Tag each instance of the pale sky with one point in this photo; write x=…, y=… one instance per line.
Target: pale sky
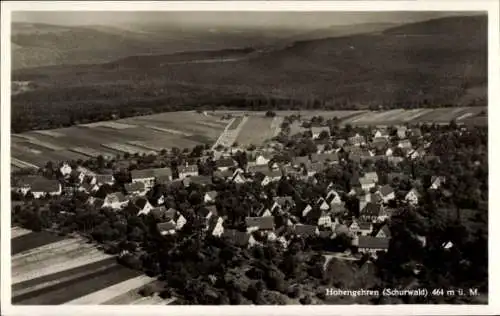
x=237, y=19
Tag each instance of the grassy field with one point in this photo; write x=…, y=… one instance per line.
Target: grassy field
x=48, y=270
x=256, y=130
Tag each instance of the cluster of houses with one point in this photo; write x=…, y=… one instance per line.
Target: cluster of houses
x=325, y=218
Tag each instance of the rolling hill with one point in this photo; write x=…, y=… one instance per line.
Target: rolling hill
x=406, y=66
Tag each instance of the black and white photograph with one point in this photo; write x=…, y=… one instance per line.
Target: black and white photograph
x=245, y=157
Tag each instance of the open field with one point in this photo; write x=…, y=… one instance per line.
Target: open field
x=140, y=134
x=48, y=269
x=258, y=129
x=187, y=129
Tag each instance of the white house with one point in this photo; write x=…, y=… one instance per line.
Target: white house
x=188, y=171
x=333, y=197
x=387, y=193
x=42, y=187
x=389, y=152
x=436, y=182
x=210, y=196
x=412, y=197
x=366, y=184
x=325, y=220
x=148, y=176
x=316, y=131
x=218, y=227
x=306, y=210
x=262, y=159
x=65, y=170
x=115, y=200
x=371, y=245
x=144, y=206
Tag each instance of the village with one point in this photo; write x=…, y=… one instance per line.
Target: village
x=329, y=213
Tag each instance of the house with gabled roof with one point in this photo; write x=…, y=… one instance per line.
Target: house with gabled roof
x=373, y=176
x=387, y=193
x=238, y=238
x=187, y=171
x=357, y=140
x=166, y=228
x=405, y=143
x=401, y=132
x=148, y=176
x=101, y=179
x=264, y=212
x=306, y=230
x=225, y=163
x=365, y=228
x=286, y=202
x=340, y=142
x=140, y=204
x=115, y=200
x=329, y=158
x=333, y=197
x=298, y=161
x=201, y=180
x=306, y=210
x=65, y=169
x=366, y=183
x=370, y=212
x=384, y=232
x=136, y=188
x=257, y=168
x=238, y=177
x=215, y=226
x=159, y=213
x=379, y=133
x=39, y=186
x=317, y=130
x=259, y=223
x=437, y=181
x=412, y=197
x=371, y=245
x=207, y=212
x=210, y=196
x=263, y=158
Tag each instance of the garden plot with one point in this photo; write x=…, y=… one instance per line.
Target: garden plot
x=58, y=264
x=22, y=164
x=109, y=124
x=51, y=133
x=113, y=291
x=33, y=240
x=45, y=141
x=35, y=286
x=18, y=232
x=70, y=290
x=125, y=148
x=91, y=152
x=64, y=247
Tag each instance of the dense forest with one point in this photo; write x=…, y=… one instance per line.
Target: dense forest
x=407, y=67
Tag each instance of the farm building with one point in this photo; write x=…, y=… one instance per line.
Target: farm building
x=188, y=171
x=259, y=223
x=115, y=200
x=224, y=164
x=149, y=176
x=387, y=193
x=37, y=185
x=371, y=212
x=306, y=230
x=242, y=239
x=317, y=131
x=371, y=245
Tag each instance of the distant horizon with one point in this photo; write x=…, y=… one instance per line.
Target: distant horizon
x=238, y=19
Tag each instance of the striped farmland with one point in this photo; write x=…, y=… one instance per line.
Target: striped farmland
x=49, y=270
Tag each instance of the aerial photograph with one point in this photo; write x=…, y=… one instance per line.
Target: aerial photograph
x=249, y=157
